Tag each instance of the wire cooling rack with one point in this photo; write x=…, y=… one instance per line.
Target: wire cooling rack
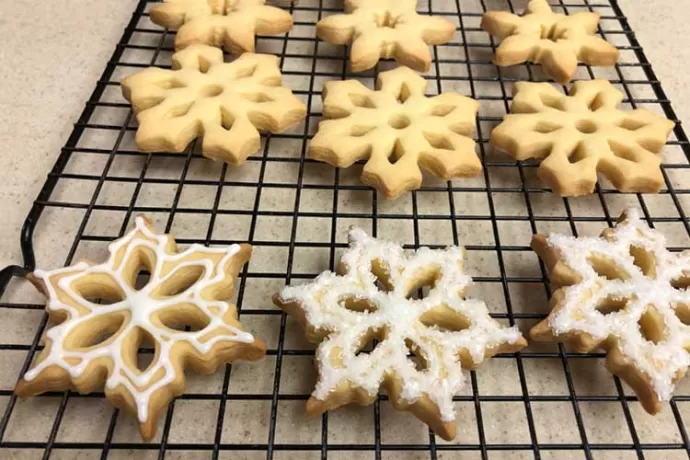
x=546, y=402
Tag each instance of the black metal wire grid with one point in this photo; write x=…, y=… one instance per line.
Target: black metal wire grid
x=545, y=402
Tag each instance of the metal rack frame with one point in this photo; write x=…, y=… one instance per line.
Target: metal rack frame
x=610, y=12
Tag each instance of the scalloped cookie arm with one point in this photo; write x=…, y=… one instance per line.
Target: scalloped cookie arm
x=271, y=20
x=338, y=29
x=499, y=23
x=173, y=15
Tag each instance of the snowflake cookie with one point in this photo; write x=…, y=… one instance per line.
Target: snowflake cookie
x=384, y=29
x=583, y=133
x=232, y=24
x=226, y=103
x=423, y=344
x=396, y=129
x=626, y=293
x=183, y=312
x=554, y=40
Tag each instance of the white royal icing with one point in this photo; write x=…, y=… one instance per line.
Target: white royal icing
x=579, y=313
x=140, y=305
x=443, y=376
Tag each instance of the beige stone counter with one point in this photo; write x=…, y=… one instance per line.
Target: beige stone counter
x=51, y=55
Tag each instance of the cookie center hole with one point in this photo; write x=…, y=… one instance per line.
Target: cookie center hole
x=612, y=305
x=211, y=90
x=652, y=325
x=399, y=121
x=586, y=126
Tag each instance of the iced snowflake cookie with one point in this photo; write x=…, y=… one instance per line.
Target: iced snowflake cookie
x=225, y=102
x=626, y=293
x=554, y=40
x=384, y=29
x=232, y=24
x=422, y=344
x=396, y=129
x=183, y=312
x=580, y=134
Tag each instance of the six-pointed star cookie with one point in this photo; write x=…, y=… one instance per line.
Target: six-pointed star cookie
x=102, y=318
x=626, y=293
x=397, y=129
x=556, y=41
x=386, y=29
x=445, y=330
x=578, y=135
x=232, y=24
x=225, y=102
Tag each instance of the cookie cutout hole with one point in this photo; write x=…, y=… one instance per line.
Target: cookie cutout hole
x=184, y=318
x=644, y=260
x=578, y=154
x=438, y=142
x=415, y=356
x=211, y=90
x=631, y=124
x=146, y=352
x=170, y=84
x=442, y=110
x=682, y=311
x=246, y=72
x=259, y=98
x=424, y=282
x=399, y=121
x=380, y=273
x=551, y=101
x=101, y=289
x=621, y=151
x=359, y=130
x=360, y=100
x=612, y=305
x=95, y=332
x=180, y=280
x=370, y=340
x=181, y=110
x=606, y=268
x=682, y=282
x=358, y=305
x=445, y=319
x=586, y=126
x=545, y=127
x=652, y=325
